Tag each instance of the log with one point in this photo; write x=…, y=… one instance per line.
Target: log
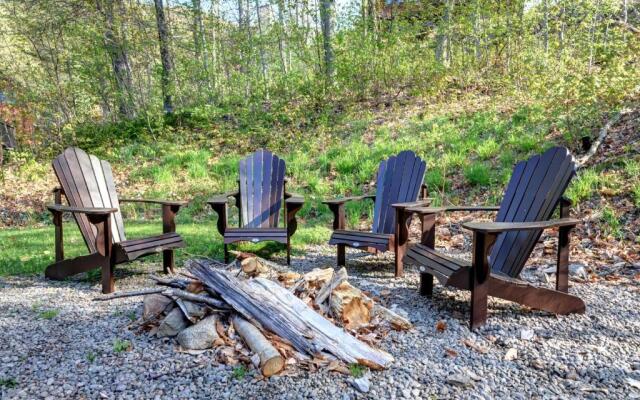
x=274, y=308
x=133, y=293
x=215, y=303
x=328, y=287
x=252, y=267
x=397, y=321
x=351, y=306
x=271, y=362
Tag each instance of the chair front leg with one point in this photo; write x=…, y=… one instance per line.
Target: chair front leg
x=168, y=226
x=104, y=249
x=479, y=277
x=562, y=275
x=401, y=238
x=428, y=238
x=338, y=224
x=57, y=223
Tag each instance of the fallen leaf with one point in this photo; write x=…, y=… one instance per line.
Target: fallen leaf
x=441, y=326
x=450, y=352
x=472, y=345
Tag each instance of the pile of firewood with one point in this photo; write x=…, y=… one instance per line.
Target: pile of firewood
x=257, y=312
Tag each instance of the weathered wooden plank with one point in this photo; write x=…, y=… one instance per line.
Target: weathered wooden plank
x=113, y=195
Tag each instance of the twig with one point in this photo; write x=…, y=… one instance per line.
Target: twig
x=119, y=295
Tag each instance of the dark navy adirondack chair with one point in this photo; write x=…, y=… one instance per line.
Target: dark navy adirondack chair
x=260, y=196
x=87, y=183
x=501, y=248
x=398, y=184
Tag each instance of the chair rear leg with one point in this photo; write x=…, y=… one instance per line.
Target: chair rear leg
x=288, y=252
x=226, y=253
x=341, y=255
x=108, y=285
x=168, y=261
x=426, y=284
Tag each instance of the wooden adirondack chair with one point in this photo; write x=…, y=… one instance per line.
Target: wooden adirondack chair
x=87, y=183
x=261, y=193
x=501, y=248
x=398, y=183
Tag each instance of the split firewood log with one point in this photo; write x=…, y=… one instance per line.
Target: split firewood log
x=271, y=361
x=351, y=306
x=397, y=321
x=330, y=285
x=252, y=266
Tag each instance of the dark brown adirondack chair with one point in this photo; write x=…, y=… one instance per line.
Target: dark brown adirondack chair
x=501, y=248
x=398, y=184
x=87, y=183
x=261, y=193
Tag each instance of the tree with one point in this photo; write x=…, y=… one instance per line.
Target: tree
x=327, y=20
x=165, y=57
x=114, y=44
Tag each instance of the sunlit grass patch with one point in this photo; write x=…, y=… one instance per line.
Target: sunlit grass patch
x=478, y=174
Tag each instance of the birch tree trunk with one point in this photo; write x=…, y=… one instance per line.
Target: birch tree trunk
x=165, y=56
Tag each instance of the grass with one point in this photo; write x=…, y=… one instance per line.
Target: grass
x=8, y=383
x=239, y=372
x=120, y=345
x=48, y=314
x=469, y=157
x=357, y=370
x=91, y=356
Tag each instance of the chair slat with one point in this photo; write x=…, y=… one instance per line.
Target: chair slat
x=537, y=192
x=113, y=195
x=399, y=180
x=261, y=189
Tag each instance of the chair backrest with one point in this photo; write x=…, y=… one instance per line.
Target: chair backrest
x=261, y=189
x=399, y=180
x=88, y=182
x=533, y=193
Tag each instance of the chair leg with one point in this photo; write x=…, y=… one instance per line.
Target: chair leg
x=168, y=261
x=226, y=253
x=399, y=266
x=341, y=255
x=426, y=284
x=108, y=285
x=479, y=278
x=288, y=251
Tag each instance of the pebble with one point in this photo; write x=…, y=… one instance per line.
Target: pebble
x=598, y=349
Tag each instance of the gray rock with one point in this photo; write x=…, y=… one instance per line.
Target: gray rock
x=154, y=304
x=460, y=380
x=199, y=336
x=362, y=384
x=172, y=324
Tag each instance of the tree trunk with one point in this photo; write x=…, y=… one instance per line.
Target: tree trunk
x=442, y=38
x=165, y=56
x=282, y=33
x=114, y=45
x=327, y=17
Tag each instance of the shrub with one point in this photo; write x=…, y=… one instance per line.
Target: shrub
x=477, y=174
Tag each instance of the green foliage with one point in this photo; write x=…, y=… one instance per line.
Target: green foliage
x=48, y=314
x=478, y=174
x=239, y=372
x=120, y=345
x=357, y=370
x=132, y=315
x=9, y=383
x=91, y=356
x=611, y=223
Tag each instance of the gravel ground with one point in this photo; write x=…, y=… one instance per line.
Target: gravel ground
x=57, y=343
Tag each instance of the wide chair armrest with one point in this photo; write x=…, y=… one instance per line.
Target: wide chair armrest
x=343, y=200
x=438, y=210
x=222, y=198
x=154, y=201
x=410, y=205
x=294, y=199
x=58, y=208
x=499, y=227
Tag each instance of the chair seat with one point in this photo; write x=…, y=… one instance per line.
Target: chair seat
x=448, y=270
x=360, y=239
x=130, y=250
x=255, y=235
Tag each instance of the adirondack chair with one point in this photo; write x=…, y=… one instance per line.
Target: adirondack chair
x=259, y=198
x=87, y=183
x=501, y=248
x=398, y=183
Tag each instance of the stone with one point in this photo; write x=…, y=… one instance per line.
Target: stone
x=172, y=324
x=361, y=384
x=526, y=334
x=511, y=354
x=199, y=336
x=154, y=304
x=460, y=380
